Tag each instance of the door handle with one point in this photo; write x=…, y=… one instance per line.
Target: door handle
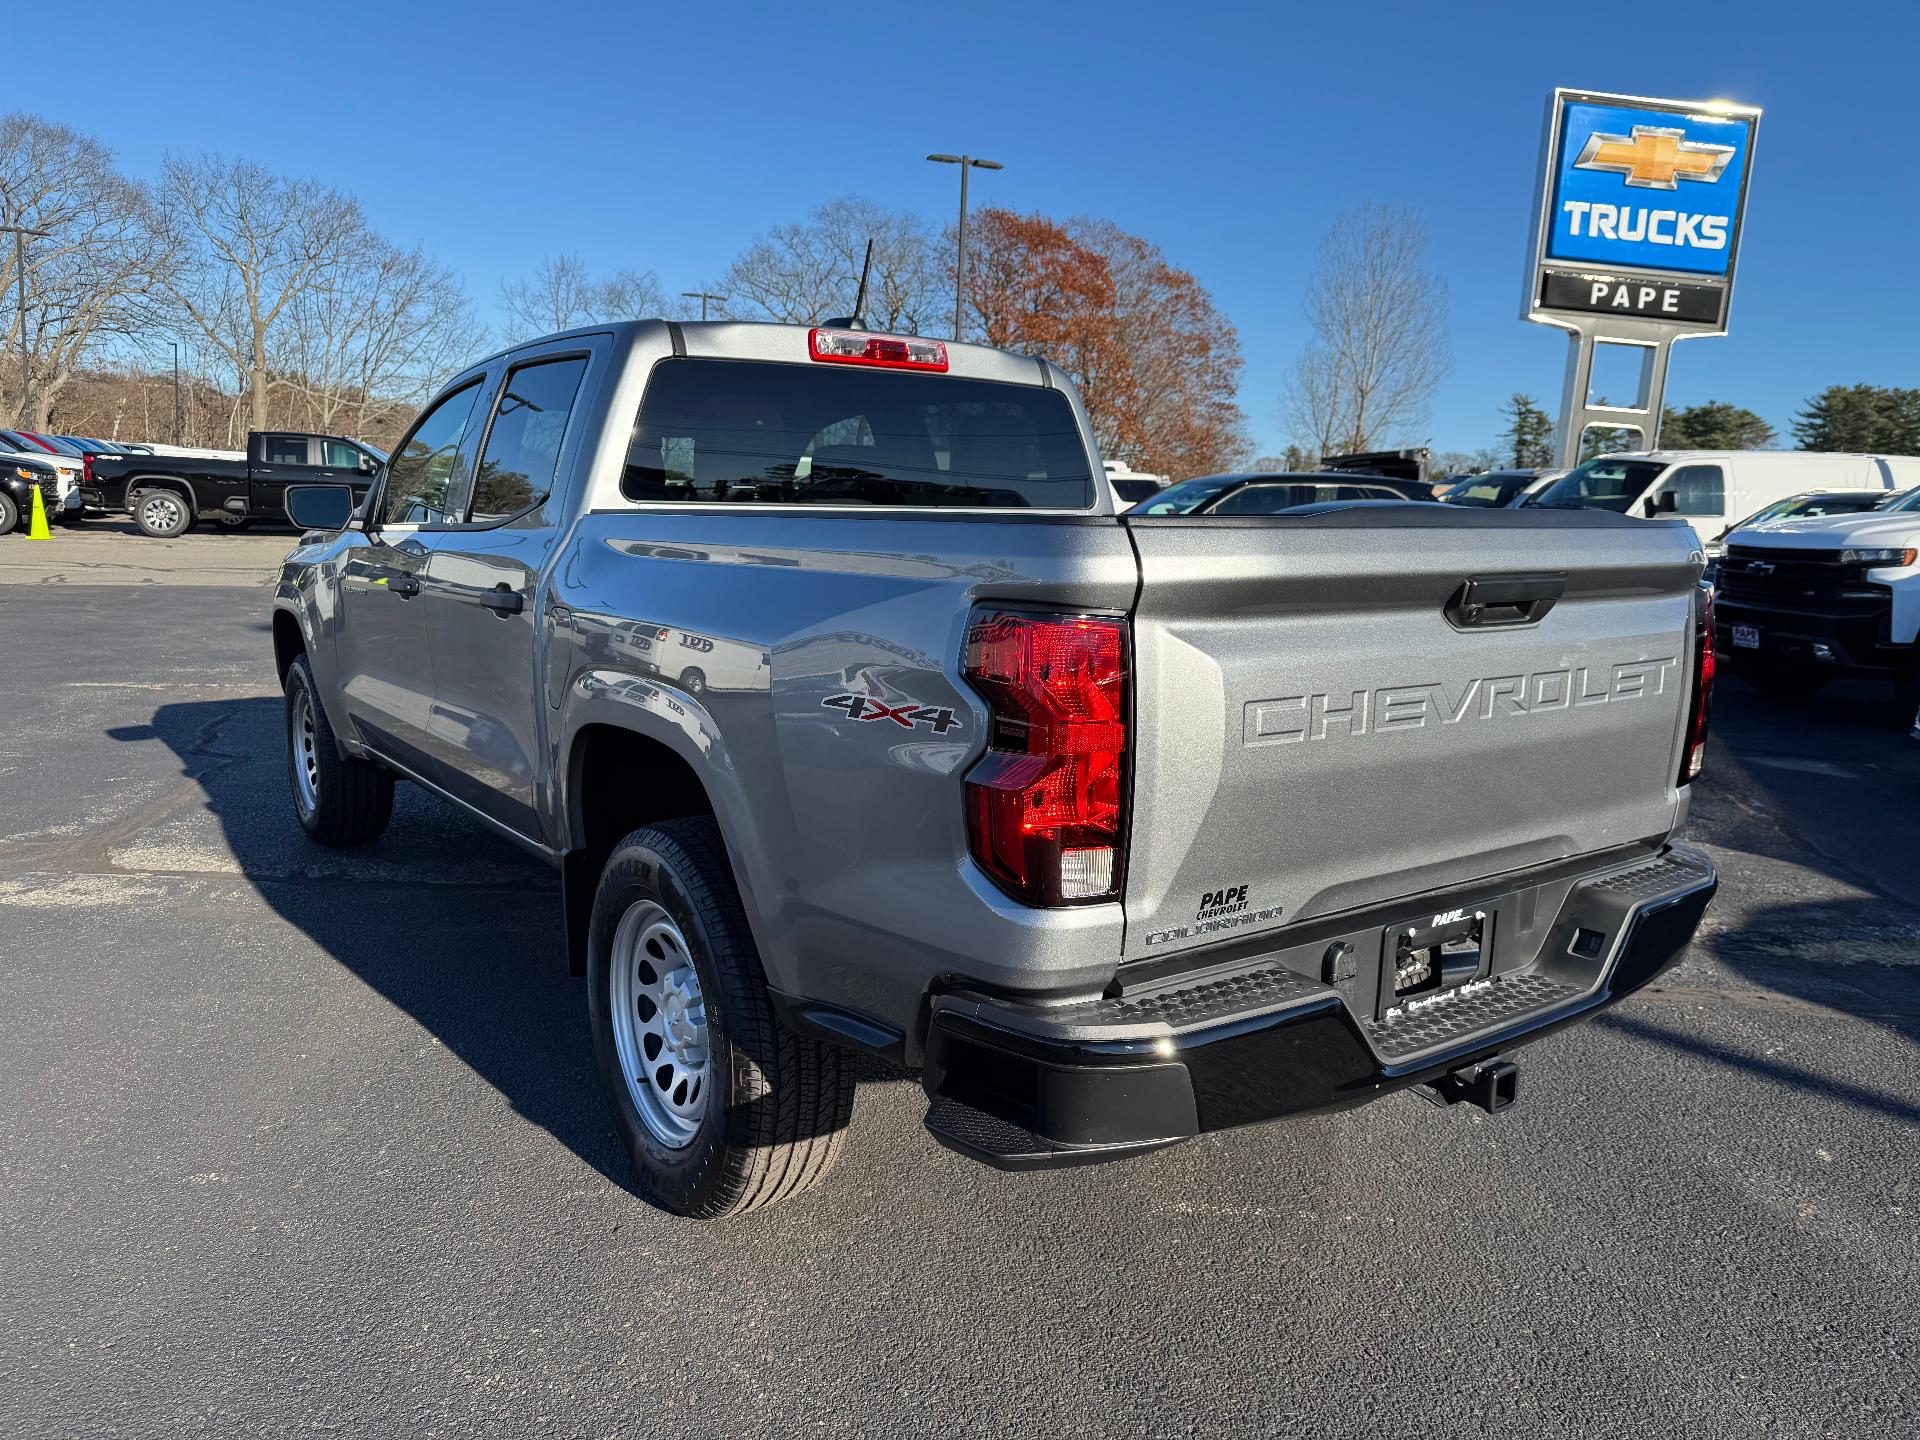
x=1504, y=600
x=405, y=586
x=502, y=599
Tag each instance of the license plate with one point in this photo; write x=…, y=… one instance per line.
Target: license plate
x=1747, y=637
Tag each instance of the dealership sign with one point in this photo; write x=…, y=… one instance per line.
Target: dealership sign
x=1639, y=211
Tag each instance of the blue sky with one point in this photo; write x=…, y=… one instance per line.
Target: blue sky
x=666, y=137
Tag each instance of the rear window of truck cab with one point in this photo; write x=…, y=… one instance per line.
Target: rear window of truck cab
x=767, y=433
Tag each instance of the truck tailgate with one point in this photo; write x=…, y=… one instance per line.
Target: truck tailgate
x=1320, y=724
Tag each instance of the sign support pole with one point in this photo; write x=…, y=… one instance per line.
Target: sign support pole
x=1578, y=411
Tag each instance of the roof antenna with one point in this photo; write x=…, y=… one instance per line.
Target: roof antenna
x=857, y=320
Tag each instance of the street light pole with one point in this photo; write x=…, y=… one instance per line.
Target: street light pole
x=176, y=392
x=703, y=296
x=20, y=233
x=966, y=163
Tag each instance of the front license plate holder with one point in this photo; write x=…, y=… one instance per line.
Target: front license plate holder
x=1746, y=637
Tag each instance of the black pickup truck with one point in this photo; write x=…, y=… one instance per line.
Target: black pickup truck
x=166, y=494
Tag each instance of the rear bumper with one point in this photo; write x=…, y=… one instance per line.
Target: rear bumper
x=1020, y=1085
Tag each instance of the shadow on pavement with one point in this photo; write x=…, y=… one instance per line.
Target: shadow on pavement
x=447, y=921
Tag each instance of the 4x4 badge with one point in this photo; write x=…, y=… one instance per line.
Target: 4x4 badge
x=862, y=707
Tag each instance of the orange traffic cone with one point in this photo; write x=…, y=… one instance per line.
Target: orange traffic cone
x=37, y=528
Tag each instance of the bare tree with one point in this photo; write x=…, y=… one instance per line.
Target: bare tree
x=563, y=294
x=374, y=339
x=252, y=244
x=801, y=274
x=90, y=272
x=1379, y=346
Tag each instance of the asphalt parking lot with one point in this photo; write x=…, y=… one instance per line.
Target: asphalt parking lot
x=299, y=1141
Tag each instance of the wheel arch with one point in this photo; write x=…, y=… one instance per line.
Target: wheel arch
x=289, y=641
x=178, y=484
x=623, y=768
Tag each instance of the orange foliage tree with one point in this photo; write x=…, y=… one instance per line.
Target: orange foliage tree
x=1157, y=365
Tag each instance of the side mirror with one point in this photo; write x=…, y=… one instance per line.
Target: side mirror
x=320, y=507
x=1669, y=502
x=369, y=465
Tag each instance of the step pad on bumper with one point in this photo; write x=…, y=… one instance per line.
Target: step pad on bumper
x=1208, y=1002
x=1454, y=1015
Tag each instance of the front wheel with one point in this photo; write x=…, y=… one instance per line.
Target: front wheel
x=722, y=1108
x=9, y=514
x=162, y=514
x=340, y=800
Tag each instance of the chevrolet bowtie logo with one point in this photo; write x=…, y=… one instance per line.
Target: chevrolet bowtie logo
x=1654, y=159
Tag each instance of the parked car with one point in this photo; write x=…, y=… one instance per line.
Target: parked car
x=1131, y=486
x=19, y=474
x=1816, y=504
x=1265, y=494
x=62, y=494
x=1495, y=489
x=1806, y=599
x=167, y=494
x=1120, y=828
x=1706, y=487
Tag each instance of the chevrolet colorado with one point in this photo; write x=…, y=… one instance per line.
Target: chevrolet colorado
x=854, y=719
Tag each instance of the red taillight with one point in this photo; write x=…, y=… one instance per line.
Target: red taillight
x=1695, y=753
x=86, y=469
x=857, y=347
x=1046, y=803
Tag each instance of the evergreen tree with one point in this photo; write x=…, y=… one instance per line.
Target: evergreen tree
x=1872, y=418
x=1715, y=425
x=1528, y=438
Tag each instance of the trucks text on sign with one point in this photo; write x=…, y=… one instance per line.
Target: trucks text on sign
x=1648, y=189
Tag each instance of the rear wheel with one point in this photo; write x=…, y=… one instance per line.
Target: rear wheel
x=163, y=514
x=235, y=522
x=340, y=800
x=1781, y=679
x=722, y=1108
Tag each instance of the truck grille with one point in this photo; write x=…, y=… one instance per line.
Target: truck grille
x=1810, y=581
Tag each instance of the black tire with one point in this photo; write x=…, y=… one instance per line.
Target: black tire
x=9, y=514
x=1782, y=679
x=693, y=680
x=777, y=1102
x=352, y=799
x=235, y=522
x=161, y=513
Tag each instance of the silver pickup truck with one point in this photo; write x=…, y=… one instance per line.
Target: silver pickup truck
x=855, y=720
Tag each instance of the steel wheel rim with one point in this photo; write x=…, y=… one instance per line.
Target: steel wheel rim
x=659, y=1024
x=304, y=753
x=161, y=512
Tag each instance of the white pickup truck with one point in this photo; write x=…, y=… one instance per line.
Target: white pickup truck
x=1803, y=601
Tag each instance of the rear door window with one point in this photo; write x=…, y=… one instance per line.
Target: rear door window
x=756, y=432
x=522, y=454
x=284, y=449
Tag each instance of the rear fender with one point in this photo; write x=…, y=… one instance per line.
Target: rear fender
x=667, y=714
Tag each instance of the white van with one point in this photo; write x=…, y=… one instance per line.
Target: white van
x=1715, y=490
